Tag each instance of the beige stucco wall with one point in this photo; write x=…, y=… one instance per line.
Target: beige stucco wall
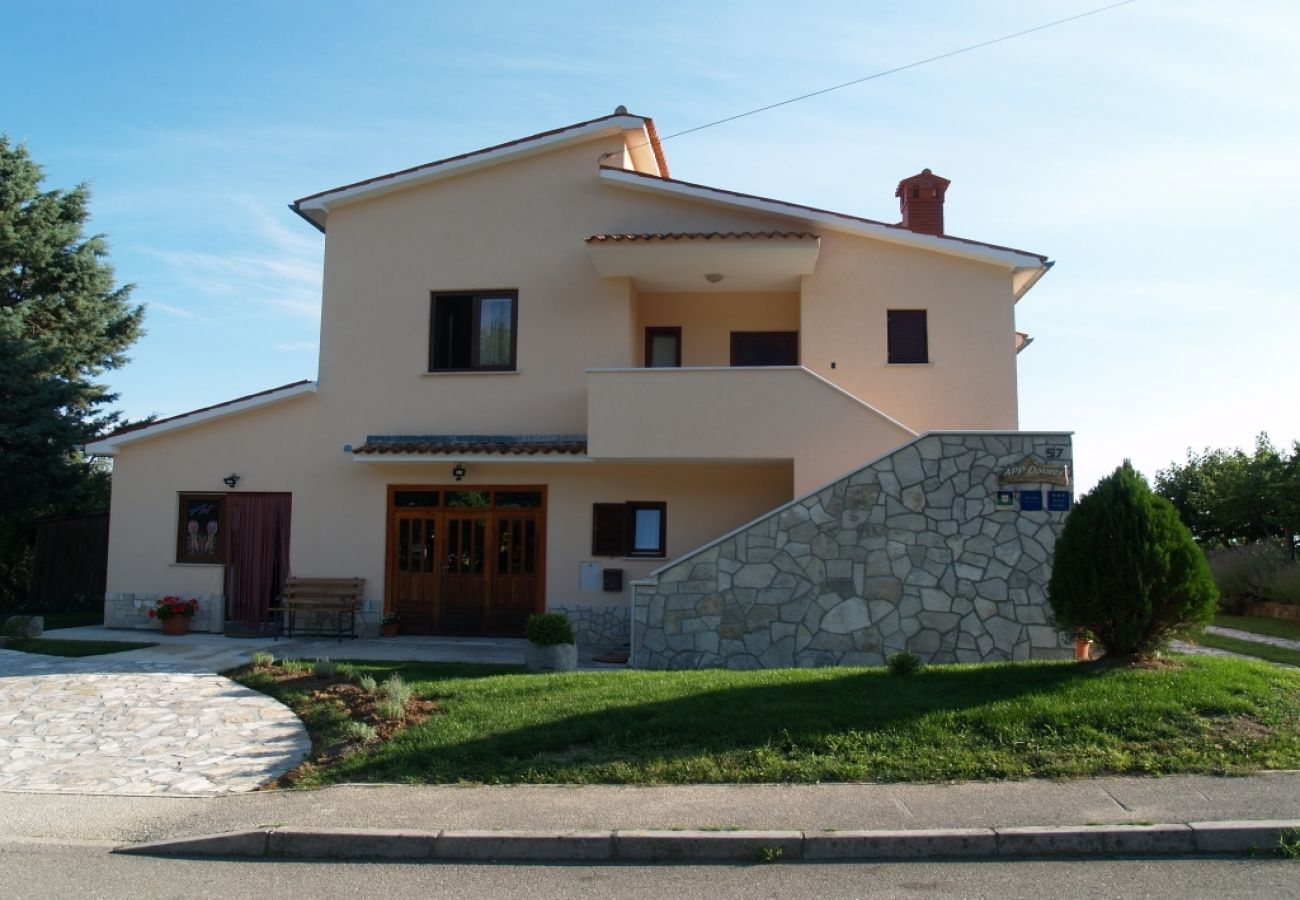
x=970, y=382
x=708, y=319
x=339, y=513
x=742, y=413
x=521, y=226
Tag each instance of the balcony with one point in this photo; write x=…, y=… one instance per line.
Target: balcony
x=725, y=413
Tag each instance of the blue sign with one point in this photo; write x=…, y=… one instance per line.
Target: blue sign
x=1058, y=501
x=1031, y=501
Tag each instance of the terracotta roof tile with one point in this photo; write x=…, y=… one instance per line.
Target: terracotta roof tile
x=702, y=235
x=475, y=444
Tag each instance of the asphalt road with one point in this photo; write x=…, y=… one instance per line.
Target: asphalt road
x=31, y=868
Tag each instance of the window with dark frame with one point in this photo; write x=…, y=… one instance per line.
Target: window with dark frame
x=764, y=348
x=908, y=337
x=663, y=347
x=201, y=529
x=473, y=331
x=634, y=528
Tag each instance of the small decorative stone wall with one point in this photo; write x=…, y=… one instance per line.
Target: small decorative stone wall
x=132, y=611
x=596, y=626
x=910, y=552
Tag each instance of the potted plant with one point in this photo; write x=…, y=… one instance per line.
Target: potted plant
x=1082, y=646
x=175, y=614
x=551, y=645
x=388, y=624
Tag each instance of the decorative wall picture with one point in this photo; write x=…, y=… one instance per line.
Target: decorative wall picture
x=201, y=526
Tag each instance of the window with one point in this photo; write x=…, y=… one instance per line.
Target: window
x=634, y=528
x=473, y=332
x=200, y=529
x=663, y=347
x=908, y=341
x=765, y=348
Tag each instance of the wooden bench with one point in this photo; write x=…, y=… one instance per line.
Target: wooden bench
x=323, y=598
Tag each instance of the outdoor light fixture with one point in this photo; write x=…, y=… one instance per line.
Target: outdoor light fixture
x=713, y=277
x=231, y=480
x=458, y=472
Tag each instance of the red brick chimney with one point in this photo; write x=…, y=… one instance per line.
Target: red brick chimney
x=921, y=200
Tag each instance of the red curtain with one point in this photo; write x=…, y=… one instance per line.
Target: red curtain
x=258, y=553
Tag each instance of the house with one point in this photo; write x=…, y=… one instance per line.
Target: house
x=553, y=376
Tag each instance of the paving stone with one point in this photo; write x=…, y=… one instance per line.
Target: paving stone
x=97, y=725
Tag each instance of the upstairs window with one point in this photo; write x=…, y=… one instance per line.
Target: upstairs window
x=908, y=339
x=635, y=528
x=472, y=332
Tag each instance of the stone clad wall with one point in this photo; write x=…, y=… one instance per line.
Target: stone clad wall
x=909, y=552
x=596, y=627
x=132, y=611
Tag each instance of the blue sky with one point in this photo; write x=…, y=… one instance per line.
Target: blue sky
x=1150, y=150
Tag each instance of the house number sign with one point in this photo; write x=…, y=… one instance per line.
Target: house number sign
x=1030, y=469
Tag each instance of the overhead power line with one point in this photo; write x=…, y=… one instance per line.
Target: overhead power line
x=903, y=68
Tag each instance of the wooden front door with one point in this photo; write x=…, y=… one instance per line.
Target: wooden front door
x=465, y=562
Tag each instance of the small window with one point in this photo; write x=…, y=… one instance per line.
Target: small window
x=764, y=348
x=200, y=529
x=908, y=338
x=634, y=528
x=663, y=348
x=473, y=332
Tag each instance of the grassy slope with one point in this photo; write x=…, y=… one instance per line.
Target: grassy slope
x=947, y=723
x=1271, y=627
x=1251, y=648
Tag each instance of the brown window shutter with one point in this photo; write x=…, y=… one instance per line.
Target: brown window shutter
x=908, y=338
x=607, y=529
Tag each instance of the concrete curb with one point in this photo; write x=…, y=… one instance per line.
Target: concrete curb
x=1209, y=838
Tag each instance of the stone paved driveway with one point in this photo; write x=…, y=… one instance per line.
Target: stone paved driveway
x=108, y=725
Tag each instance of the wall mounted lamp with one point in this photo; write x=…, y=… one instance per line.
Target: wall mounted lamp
x=713, y=277
x=231, y=480
x=458, y=472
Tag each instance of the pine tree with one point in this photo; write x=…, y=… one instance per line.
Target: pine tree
x=63, y=322
x=1127, y=571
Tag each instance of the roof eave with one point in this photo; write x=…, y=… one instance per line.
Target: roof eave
x=108, y=446
x=1005, y=257
x=315, y=207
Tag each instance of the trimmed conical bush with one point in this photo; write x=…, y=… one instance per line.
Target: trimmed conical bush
x=1127, y=572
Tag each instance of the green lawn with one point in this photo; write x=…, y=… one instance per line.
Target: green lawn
x=52, y=647
x=1251, y=648
x=1271, y=627
x=810, y=725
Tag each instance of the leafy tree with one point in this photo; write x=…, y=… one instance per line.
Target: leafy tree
x=1230, y=498
x=1127, y=571
x=63, y=322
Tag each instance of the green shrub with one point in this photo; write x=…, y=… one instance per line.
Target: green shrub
x=391, y=709
x=395, y=689
x=1243, y=574
x=549, y=629
x=261, y=659
x=1127, y=571
x=362, y=732
x=1283, y=586
x=904, y=663
x=323, y=667
x=367, y=683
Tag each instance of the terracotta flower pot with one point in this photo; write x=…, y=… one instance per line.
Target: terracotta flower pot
x=176, y=625
x=1083, y=650
x=388, y=629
